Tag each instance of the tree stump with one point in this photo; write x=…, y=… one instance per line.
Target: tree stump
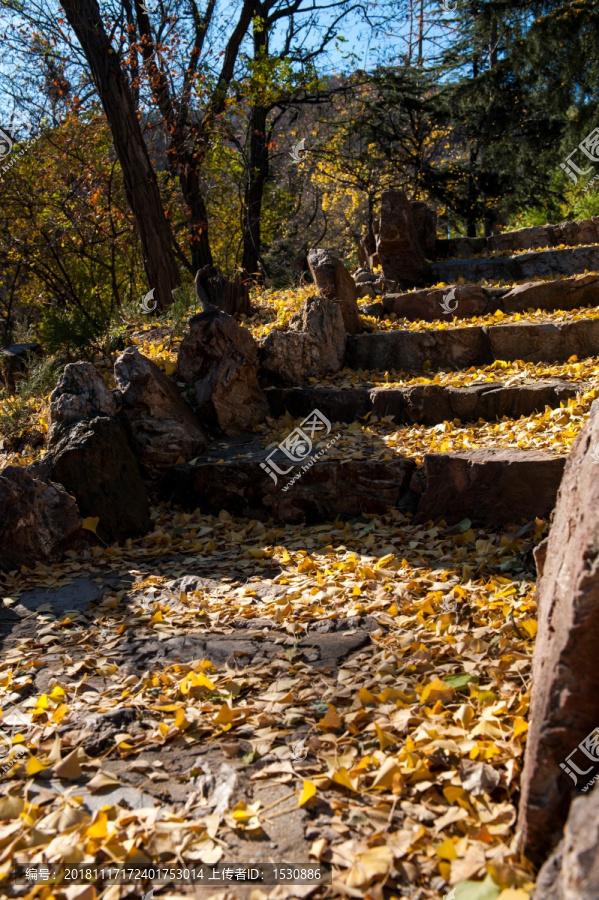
x=214, y=289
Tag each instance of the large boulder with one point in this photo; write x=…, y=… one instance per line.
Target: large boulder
x=397, y=241
x=163, y=429
x=572, y=870
x=335, y=283
x=80, y=393
x=95, y=463
x=39, y=521
x=220, y=358
x=314, y=348
x=561, y=754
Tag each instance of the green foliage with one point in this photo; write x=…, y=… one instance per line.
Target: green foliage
x=75, y=332
x=576, y=204
x=185, y=303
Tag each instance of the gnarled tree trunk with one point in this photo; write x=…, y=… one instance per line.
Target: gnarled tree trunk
x=139, y=178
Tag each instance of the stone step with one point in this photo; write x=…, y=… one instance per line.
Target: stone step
x=461, y=348
x=571, y=234
x=465, y=301
x=519, y=267
x=494, y=487
x=490, y=487
x=327, y=488
x=425, y=404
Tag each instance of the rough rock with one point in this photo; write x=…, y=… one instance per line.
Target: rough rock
x=425, y=223
x=521, y=267
x=570, y=234
x=563, y=294
x=326, y=489
x=572, y=870
x=490, y=487
x=464, y=301
x=426, y=404
x=457, y=348
x=430, y=404
x=95, y=463
x=461, y=301
x=338, y=405
x=163, y=429
x=80, y=393
x=335, y=283
x=39, y=521
x=363, y=276
x=375, y=286
x=367, y=251
x=565, y=694
x=315, y=347
x=220, y=358
x=397, y=244
x=14, y=361
x=545, y=342
x=376, y=310
x=213, y=289
x=460, y=348
x=459, y=248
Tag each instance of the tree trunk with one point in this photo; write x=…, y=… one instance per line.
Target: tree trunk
x=258, y=167
x=254, y=192
x=201, y=254
x=139, y=178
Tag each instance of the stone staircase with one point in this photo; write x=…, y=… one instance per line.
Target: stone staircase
x=534, y=264
x=464, y=301
x=491, y=486
x=461, y=348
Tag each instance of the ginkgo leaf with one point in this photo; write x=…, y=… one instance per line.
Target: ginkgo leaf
x=91, y=523
x=477, y=890
x=99, y=827
x=308, y=791
x=35, y=765
x=68, y=767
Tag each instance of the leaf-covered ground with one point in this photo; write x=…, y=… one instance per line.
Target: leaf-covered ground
x=411, y=745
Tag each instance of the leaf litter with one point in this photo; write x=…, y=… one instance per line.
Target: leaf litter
x=411, y=747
